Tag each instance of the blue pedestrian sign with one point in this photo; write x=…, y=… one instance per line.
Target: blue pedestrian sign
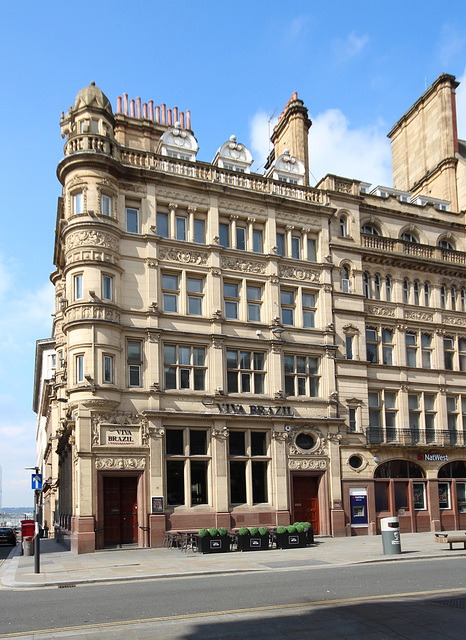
x=36, y=481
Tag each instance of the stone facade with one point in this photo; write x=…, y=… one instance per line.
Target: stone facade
x=237, y=349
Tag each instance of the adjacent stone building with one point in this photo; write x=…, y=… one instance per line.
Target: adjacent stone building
x=242, y=349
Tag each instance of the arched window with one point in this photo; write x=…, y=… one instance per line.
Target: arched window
x=366, y=285
x=398, y=469
x=345, y=280
x=426, y=294
x=409, y=237
x=377, y=286
x=454, y=476
x=398, y=484
x=446, y=244
x=463, y=299
x=416, y=292
x=443, y=296
x=455, y=469
x=406, y=291
x=343, y=226
x=370, y=230
x=453, y=298
x=388, y=289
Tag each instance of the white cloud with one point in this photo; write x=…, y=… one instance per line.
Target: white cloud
x=363, y=154
x=461, y=106
x=349, y=47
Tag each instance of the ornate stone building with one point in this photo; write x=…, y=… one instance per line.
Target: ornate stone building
x=242, y=349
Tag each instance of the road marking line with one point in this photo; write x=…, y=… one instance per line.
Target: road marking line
x=211, y=614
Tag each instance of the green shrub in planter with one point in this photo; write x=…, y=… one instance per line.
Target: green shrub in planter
x=211, y=541
x=222, y=531
x=252, y=539
x=299, y=528
x=289, y=537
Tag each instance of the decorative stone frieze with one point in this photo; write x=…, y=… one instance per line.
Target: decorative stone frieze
x=422, y=316
x=182, y=255
x=225, y=206
x=318, y=464
x=135, y=188
x=378, y=310
x=92, y=312
x=459, y=322
x=245, y=266
x=92, y=238
x=298, y=273
x=110, y=462
x=169, y=195
x=343, y=187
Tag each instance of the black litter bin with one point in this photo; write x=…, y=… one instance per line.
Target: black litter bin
x=390, y=528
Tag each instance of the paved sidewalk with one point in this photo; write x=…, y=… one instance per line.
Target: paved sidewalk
x=61, y=567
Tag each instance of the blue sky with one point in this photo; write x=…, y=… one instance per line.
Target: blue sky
x=358, y=67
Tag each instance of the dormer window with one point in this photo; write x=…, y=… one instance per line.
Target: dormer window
x=178, y=143
x=233, y=156
x=287, y=169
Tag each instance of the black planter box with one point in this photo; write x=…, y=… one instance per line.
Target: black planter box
x=310, y=536
x=253, y=543
x=213, y=544
x=291, y=540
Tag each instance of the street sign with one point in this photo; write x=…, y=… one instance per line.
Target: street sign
x=36, y=481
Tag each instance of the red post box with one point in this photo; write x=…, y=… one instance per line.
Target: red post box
x=27, y=536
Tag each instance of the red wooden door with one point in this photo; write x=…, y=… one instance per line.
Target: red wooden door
x=120, y=510
x=305, y=501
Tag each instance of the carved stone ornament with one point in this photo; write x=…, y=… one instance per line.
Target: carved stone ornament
x=182, y=255
x=156, y=432
x=110, y=462
x=343, y=187
x=318, y=448
x=217, y=343
x=274, y=279
x=381, y=311
x=350, y=330
x=120, y=418
x=91, y=238
x=280, y=435
x=423, y=316
x=216, y=272
x=459, y=322
x=152, y=263
x=319, y=464
x=92, y=312
x=220, y=433
x=245, y=266
x=144, y=432
x=276, y=346
x=298, y=273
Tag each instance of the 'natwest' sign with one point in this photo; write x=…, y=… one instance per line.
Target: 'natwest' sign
x=432, y=457
x=254, y=410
